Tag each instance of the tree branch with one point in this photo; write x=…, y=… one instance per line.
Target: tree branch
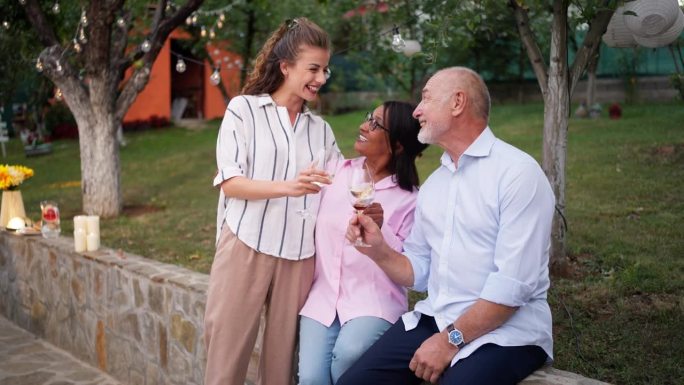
x=46, y=34
x=597, y=27
x=158, y=36
x=530, y=43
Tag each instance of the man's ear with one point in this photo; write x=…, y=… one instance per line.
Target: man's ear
x=458, y=103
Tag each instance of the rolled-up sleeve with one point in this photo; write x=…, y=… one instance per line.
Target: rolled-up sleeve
x=231, y=145
x=523, y=241
x=417, y=250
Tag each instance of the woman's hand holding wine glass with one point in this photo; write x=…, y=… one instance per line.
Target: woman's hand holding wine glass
x=361, y=193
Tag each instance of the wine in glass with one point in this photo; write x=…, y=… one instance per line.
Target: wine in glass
x=361, y=193
x=319, y=162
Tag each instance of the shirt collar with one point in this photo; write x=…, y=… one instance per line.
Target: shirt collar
x=481, y=147
x=385, y=183
x=266, y=99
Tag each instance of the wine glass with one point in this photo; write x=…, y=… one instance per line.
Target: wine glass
x=361, y=193
x=319, y=162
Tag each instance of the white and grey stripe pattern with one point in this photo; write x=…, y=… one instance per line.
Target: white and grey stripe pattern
x=257, y=140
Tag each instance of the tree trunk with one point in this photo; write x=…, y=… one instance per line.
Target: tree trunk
x=591, y=80
x=556, y=113
x=100, y=165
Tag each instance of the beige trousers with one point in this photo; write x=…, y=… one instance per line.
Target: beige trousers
x=242, y=281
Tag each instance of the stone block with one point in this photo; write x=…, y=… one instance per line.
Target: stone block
x=101, y=345
x=179, y=366
x=184, y=332
x=155, y=296
x=551, y=376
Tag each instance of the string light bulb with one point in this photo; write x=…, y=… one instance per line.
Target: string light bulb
x=398, y=43
x=194, y=19
x=212, y=34
x=121, y=22
x=58, y=95
x=6, y=24
x=219, y=24
x=55, y=7
x=77, y=46
x=58, y=68
x=84, y=18
x=82, y=36
x=180, y=65
x=22, y=2
x=145, y=46
x=188, y=20
x=39, y=65
x=215, y=77
x=203, y=31
x=222, y=17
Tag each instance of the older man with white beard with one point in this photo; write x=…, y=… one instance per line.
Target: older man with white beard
x=479, y=246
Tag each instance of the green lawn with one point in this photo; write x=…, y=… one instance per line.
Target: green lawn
x=619, y=318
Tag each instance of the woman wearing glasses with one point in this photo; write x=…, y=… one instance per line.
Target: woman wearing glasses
x=352, y=302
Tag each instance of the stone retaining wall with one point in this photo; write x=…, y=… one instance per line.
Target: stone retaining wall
x=136, y=319
x=139, y=320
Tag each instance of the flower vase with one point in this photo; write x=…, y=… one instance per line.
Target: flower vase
x=12, y=206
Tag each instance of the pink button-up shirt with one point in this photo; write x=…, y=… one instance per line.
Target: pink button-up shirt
x=346, y=282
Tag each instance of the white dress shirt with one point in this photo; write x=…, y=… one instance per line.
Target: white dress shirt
x=482, y=230
x=257, y=141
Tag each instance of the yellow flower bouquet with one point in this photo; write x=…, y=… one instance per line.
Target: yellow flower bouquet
x=13, y=176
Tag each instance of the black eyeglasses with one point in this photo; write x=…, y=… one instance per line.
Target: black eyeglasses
x=373, y=123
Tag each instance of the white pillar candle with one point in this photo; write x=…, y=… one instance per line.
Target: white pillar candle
x=80, y=240
x=93, y=225
x=93, y=242
x=80, y=223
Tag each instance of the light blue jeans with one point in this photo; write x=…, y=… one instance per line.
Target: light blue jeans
x=325, y=353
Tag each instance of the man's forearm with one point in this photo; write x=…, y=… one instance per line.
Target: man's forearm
x=396, y=265
x=481, y=318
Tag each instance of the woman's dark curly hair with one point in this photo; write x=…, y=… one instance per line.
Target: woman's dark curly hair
x=403, y=129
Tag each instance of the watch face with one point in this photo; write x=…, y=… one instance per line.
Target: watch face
x=455, y=337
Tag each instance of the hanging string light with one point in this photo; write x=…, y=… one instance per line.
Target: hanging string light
x=82, y=36
x=77, y=46
x=145, y=46
x=203, y=31
x=58, y=68
x=6, y=24
x=55, y=7
x=120, y=22
x=58, y=95
x=212, y=34
x=181, y=66
x=22, y=2
x=215, y=77
x=84, y=18
x=398, y=43
x=39, y=65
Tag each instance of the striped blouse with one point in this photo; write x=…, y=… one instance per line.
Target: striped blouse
x=257, y=141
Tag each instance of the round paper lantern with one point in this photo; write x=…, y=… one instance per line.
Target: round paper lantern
x=666, y=37
x=617, y=35
x=651, y=17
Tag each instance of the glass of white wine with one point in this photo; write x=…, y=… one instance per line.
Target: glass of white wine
x=325, y=160
x=361, y=193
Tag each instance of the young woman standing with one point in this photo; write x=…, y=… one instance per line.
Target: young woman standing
x=267, y=140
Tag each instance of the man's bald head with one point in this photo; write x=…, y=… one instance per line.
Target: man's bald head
x=461, y=78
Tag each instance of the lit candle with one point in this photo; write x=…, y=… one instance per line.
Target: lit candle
x=80, y=223
x=93, y=225
x=79, y=240
x=93, y=242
